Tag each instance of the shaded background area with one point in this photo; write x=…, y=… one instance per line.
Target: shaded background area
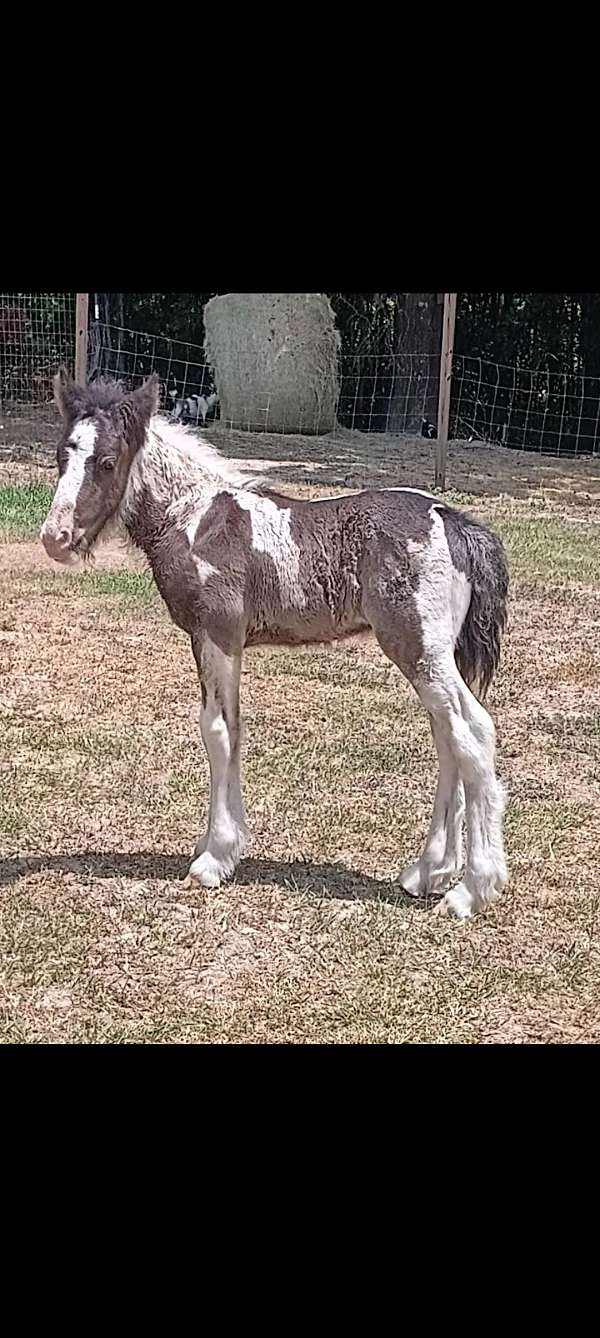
x=526, y=367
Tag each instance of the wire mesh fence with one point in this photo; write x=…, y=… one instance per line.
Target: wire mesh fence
x=534, y=410
x=389, y=395
x=132, y=355
x=37, y=334
x=555, y=413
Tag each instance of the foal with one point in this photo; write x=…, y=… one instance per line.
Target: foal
x=239, y=565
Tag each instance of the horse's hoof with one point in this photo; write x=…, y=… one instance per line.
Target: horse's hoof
x=207, y=871
x=419, y=881
x=458, y=901
x=410, y=881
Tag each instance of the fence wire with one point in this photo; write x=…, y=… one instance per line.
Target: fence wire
x=555, y=413
x=37, y=334
x=550, y=412
x=132, y=355
x=534, y=410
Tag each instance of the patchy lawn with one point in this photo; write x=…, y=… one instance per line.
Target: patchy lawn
x=104, y=788
x=23, y=507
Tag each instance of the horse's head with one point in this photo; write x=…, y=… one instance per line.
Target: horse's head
x=103, y=428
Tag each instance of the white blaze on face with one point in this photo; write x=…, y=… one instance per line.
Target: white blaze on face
x=272, y=534
x=81, y=446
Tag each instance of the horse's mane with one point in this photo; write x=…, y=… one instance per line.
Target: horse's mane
x=198, y=454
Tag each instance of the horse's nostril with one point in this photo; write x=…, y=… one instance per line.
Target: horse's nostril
x=57, y=542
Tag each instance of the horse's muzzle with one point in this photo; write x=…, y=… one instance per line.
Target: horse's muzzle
x=62, y=544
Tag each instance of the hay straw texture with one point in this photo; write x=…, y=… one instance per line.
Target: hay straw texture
x=274, y=358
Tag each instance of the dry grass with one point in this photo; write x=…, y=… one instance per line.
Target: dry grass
x=103, y=790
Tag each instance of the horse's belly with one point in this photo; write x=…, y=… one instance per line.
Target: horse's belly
x=300, y=627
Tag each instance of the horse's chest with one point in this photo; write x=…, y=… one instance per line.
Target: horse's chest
x=183, y=581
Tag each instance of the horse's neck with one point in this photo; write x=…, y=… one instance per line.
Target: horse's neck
x=170, y=475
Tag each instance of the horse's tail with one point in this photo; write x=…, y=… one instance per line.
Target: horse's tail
x=479, y=553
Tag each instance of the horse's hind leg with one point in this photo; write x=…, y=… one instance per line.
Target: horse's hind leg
x=466, y=743
x=442, y=858
x=472, y=740
x=217, y=853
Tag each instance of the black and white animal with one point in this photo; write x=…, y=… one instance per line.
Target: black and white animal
x=195, y=408
x=240, y=565
x=428, y=429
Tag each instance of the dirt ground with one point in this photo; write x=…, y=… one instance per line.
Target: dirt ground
x=347, y=460
x=104, y=788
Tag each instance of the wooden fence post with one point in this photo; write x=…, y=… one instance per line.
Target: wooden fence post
x=448, y=325
x=81, y=337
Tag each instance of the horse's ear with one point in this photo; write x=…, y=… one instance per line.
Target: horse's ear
x=136, y=410
x=147, y=398
x=66, y=393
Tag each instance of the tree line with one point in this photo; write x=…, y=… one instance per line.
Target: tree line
x=544, y=348
x=527, y=365
x=541, y=331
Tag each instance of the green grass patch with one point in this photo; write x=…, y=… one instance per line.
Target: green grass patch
x=101, y=744
x=539, y=823
x=134, y=587
x=188, y=782
x=552, y=550
x=23, y=509
x=12, y=820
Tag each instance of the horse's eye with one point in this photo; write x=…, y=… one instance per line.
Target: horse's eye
x=107, y=463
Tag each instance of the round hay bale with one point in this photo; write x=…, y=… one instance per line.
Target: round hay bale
x=274, y=359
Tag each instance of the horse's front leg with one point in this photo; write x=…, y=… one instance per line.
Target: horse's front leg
x=217, y=853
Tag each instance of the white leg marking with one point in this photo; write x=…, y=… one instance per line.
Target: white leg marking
x=216, y=854
x=441, y=861
x=472, y=739
x=467, y=750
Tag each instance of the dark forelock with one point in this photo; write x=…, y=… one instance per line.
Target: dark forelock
x=99, y=394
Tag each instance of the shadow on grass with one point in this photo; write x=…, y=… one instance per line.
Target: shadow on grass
x=329, y=881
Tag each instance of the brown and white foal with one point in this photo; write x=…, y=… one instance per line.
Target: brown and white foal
x=239, y=565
